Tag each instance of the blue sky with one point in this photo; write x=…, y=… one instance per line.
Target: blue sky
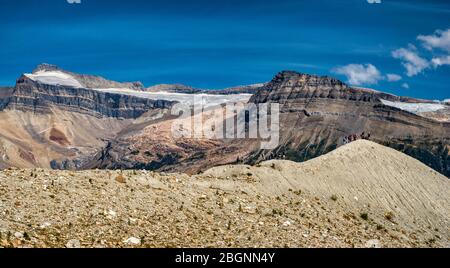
x=216, y=44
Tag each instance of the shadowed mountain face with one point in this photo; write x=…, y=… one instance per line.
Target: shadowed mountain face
x=39, y=97
x=50, y=86
x=317, y=113
x=5, y=93
x=58, y=119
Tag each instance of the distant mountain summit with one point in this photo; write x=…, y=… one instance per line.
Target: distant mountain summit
x=45, y=67
x=49, y=87
x=78, y=80
x=291, y=85
x=318, y=112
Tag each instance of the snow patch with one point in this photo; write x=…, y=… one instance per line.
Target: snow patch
x=188, y=99
x=55, y=78
x=415, y=107
x=58, y=78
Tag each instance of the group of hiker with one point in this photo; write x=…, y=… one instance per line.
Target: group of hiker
x=355, y=137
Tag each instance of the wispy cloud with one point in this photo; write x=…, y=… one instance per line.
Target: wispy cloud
x=413, y=63
x=360, y=74
x=365, y=74
x=393, y=77
x=439, y=40
x=437, y=44
x=439, y=61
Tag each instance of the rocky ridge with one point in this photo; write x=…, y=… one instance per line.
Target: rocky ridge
x=90, y=81
x=178, y=88
x=318, y=112
x=361, y=195
x=37, y=97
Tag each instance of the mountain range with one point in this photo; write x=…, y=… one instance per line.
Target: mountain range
x=53, y=118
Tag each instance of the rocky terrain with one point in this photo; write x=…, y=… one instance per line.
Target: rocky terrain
x=318, y=112
x=361, y=195
x=42, y=125
x=57, y=119
x=442, y=115
x=35, y=140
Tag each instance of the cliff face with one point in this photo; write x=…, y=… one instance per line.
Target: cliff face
x=51, y=125
x=318, y=112
x=289, y=87
x=55, y=126
x=5, y=95
x=29, y=95
x=177, y=88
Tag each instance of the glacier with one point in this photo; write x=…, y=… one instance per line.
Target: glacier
x=415, y=107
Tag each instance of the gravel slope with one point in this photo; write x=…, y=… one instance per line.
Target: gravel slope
x=361, y=195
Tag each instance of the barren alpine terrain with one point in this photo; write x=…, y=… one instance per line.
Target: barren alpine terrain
x=360, y=195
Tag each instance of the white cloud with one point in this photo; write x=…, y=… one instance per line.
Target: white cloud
x=360, y=74
x=393, y=77
x=439, y=61
x=374, y=1
x=413, y=63
x=405, y=85
x=438, y=43
x=438, y=40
